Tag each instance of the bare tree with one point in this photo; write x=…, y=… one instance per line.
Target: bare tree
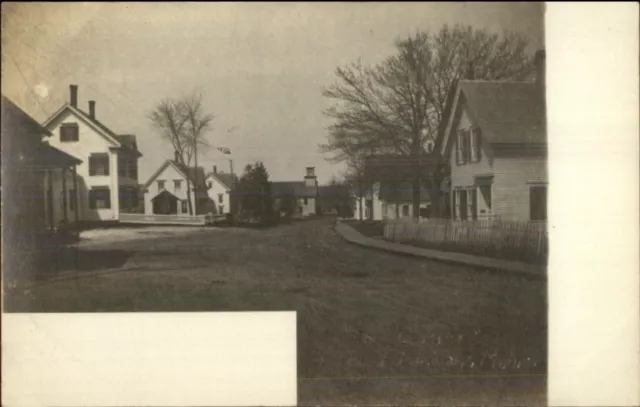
x=183, y=123
x=399, y=104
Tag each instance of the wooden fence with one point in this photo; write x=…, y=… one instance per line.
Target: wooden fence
x=505, y=239
x=170, y=219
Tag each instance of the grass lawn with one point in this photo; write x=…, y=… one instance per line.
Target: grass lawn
x=373, y=327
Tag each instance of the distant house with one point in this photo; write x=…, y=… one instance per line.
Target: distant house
x=388, y=191
x=167, y=190
x=109, y=168
x=296, y=198
x=390, y=200
x=496, y=142
x=219, y=189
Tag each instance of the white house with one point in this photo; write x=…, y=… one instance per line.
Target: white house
x=299, y=198
x=108, y=174
x=219, y=187
x=383, y=201
x=167, y=190
x=497, y=144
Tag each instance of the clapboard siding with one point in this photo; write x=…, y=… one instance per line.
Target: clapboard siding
x=512, y=179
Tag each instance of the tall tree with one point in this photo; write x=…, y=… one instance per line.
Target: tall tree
x=254, y=191
x=183, y=123
x=397, y=105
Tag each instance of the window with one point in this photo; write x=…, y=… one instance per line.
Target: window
x=220, y=198
x=177, y=185
x=134, y=199
x=474, y=144
x=72, y=199
x=100, y=198
x=128, y=168
x=462, y=147
x=538, y=202
x=306, y=201
x=485, y=191
x=472, y=199
x=405, y=210
x=160, y=185
x=462, y=204
x=221, y=209
x=98, y=164
x=209, y=184
x=184, y=206
x=69, y=132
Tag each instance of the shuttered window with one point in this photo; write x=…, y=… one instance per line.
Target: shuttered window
x=98, y=164
x=454, y=205
x=462, y=204
x=69, y=132
x=473, y=203
x=474, y=144
x=100, y=198
x=460, y=148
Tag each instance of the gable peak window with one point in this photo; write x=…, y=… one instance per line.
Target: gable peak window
x=474, y=144
x=160, y=185
x=468, y=146
x=69, y=132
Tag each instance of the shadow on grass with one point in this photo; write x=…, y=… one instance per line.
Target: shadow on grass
x=71, y=258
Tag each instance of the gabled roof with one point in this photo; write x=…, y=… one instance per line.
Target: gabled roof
x=292, y=188
x=14, y=117
x=400, y=192
x=507, y=112
x=164, y=193
x=192, y=171
x=124, y=141
x=129, y=142
x=96, y=125
x=227, y=180
x=396, y=166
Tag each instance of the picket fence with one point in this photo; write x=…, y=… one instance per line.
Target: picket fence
x=509, y=239
x=170, y=219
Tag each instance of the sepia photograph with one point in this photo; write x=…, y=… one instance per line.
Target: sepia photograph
x=379, y=168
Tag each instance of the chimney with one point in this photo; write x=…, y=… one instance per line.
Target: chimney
x=215, y=169
x=92, y=109
x=176, y=157
x=73, y=95
x=540, y=64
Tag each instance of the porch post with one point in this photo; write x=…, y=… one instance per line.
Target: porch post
x=64, y=194
x=75, y=197
x=50, y=198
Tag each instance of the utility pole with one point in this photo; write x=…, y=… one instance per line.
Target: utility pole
x=232, y=197
x=195, y=182
x=416, y=176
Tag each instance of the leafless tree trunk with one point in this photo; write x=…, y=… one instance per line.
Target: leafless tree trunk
x=183, y=123
x=396, y=105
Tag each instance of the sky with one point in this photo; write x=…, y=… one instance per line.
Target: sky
x=260, y=67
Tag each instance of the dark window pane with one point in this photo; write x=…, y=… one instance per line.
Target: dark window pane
x=538, y=203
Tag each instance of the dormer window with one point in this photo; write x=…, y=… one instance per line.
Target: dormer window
x=69, y=132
